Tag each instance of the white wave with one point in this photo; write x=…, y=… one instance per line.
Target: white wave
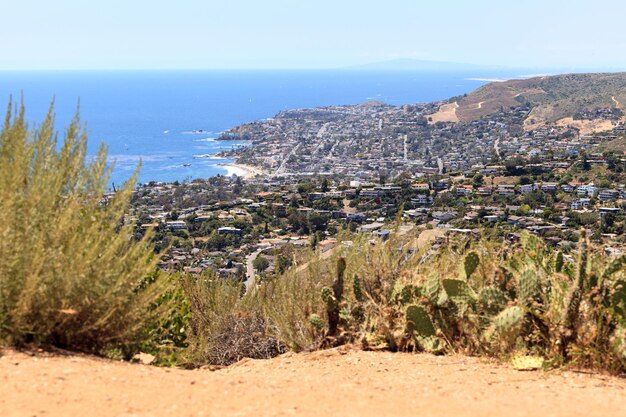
x=122, y=158
x=209, y=155
x=197, y=132
x=205, y=140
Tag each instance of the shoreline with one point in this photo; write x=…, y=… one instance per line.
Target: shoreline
x=242, y=170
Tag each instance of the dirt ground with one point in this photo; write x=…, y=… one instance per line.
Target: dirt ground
x=327, y=383
x=446, y=113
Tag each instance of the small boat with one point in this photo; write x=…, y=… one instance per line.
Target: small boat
x=186, y=165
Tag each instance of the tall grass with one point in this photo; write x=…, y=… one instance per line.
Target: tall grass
x=70, y=273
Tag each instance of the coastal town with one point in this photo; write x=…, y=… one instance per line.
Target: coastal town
x=315, y=174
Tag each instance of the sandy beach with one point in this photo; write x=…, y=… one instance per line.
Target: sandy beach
x=245, y=171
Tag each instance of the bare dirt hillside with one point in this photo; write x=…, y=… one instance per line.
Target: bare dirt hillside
x=326, y=383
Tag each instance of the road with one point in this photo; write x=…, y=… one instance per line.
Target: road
x=496, y=146
x=281, y=168
x=250, y=272
x=406, y=152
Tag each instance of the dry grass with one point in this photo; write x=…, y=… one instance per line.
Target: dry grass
x=224, y=327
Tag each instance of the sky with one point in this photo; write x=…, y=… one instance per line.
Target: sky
x=290, y=34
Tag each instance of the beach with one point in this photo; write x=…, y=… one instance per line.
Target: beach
x=241, y=170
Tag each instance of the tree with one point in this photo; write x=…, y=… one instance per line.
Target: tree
x=586, y=166
x=261, y=263
x=318, y=221
x=282, y=263
x=478, y=180
x=523, y=210
x=324, y=186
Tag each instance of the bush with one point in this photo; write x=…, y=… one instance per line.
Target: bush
x=225, y=328
x=71, y=275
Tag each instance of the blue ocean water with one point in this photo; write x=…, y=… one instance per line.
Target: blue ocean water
x=156, y=116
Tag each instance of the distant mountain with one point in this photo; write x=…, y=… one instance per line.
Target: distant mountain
x=421, y=65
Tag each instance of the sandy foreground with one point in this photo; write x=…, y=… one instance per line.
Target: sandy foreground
x=326, y=383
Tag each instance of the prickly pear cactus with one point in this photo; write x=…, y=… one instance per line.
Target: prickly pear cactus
x=618, y=298
x=616, y=265
x=528, y=286
x=459, y=292
x=533, y=247
x=418, y=321
x=573, y=299
x=492, y=300
x=430, y=289
x=527, y=362
x=508, y=323
x=430, y=344
x=471, y=263
x=403, y=293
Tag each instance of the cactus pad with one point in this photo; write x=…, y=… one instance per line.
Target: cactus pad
x=492, y=300
x=471, y=263
x=527, y=363
x=618, y=298
x=509, y=322
x=417, y=321
x=528, y=286
x=458, y=291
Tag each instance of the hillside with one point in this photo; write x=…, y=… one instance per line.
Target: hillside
x=336, y=382
x=618, y=145
x=587, y=102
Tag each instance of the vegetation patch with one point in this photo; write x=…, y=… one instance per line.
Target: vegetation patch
x=71, y=276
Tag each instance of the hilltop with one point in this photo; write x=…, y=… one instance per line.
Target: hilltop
x=336, y=382
x=587, y=102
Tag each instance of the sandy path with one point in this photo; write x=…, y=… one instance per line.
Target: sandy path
x=341, y=383
x=618, y=105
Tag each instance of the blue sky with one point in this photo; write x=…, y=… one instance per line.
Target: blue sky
x=138, y=34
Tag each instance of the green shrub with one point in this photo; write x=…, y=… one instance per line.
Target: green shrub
x=71, y=275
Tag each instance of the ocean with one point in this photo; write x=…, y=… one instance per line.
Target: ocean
x=168, y=119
